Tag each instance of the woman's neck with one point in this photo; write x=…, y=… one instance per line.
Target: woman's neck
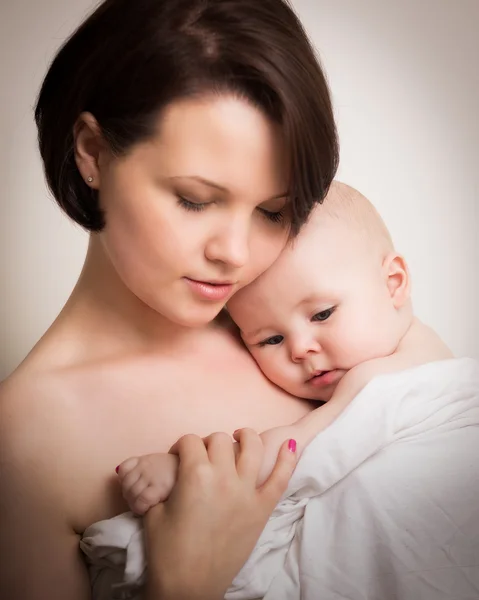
x=103, y=314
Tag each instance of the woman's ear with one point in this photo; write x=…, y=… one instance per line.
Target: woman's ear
x=89, y=146
x=397, y=278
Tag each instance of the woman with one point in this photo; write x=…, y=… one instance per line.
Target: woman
x=192, y=140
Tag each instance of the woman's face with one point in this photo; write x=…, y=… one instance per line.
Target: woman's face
x=200, y=210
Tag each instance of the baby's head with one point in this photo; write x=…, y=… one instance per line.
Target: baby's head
x=337, y=296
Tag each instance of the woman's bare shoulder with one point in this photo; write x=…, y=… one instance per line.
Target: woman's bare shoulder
x=50, y=451
x=29, y=392
x=32, y=405
x=24, y=391
x=38, y=420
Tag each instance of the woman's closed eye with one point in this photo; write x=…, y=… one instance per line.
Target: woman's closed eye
x=190, y=205
x=278, y=217
x=274, y=340
x=277, y=212
x=324, y=314
x=274, y=217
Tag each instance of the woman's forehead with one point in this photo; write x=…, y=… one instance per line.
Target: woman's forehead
x=222, y=139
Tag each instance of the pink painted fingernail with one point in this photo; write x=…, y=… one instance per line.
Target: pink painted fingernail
x=117, y=469
x=236, y=431
x=292, y=445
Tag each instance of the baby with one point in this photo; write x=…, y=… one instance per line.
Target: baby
x=332, y=313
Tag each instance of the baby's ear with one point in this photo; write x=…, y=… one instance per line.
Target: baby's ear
x=397, y=277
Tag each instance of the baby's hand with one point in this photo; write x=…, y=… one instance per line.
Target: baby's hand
x=147, y=480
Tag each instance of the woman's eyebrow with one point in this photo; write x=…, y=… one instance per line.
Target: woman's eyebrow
x=203, y=181
x=279, y=196
x=220, y=187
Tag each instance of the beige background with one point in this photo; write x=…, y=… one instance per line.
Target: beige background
x=405, y=80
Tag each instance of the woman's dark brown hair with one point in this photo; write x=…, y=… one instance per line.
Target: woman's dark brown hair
x=131, y=58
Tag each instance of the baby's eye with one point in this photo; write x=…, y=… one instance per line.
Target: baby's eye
x=274, y=340
x=323, y=315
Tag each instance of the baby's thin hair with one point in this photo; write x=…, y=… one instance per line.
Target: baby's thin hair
x=347, y=205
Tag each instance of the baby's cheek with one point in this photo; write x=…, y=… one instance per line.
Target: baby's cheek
x=269, y=361
x=282, y=372
x=362, y=344
x=261, y=358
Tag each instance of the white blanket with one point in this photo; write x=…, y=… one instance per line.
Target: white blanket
x=383, y=505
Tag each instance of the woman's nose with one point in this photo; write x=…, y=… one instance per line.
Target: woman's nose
x=303, y=347
x=230, y=245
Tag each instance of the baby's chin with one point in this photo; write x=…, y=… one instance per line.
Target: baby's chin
x=304, y=392
x=323, y=397
x=316, y=393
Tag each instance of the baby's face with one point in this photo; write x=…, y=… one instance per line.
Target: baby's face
x=314, y=316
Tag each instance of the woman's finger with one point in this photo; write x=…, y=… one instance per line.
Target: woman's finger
x=191, y=451
x=220, y=451
x=275, y=486
x=250, y=454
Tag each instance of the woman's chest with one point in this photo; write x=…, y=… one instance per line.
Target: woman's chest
x=149, y=410
x=145, y=408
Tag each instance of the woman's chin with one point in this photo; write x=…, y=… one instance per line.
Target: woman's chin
x=195, y=316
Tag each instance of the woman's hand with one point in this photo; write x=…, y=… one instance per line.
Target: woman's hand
x=273, y=440
x=199, y=539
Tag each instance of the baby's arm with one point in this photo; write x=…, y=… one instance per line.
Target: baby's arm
x=347, y=389
x=308, y=427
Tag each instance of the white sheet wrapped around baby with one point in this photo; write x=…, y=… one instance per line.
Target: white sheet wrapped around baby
x=384, y=504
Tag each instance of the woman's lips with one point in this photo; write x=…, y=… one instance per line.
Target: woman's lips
x=210, y=291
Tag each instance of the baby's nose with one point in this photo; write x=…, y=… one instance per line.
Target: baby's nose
x=303, y=348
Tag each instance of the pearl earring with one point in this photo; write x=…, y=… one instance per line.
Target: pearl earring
x=90, y=179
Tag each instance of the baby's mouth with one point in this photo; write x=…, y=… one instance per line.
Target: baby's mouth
x=317, y=374
x=324, y=378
